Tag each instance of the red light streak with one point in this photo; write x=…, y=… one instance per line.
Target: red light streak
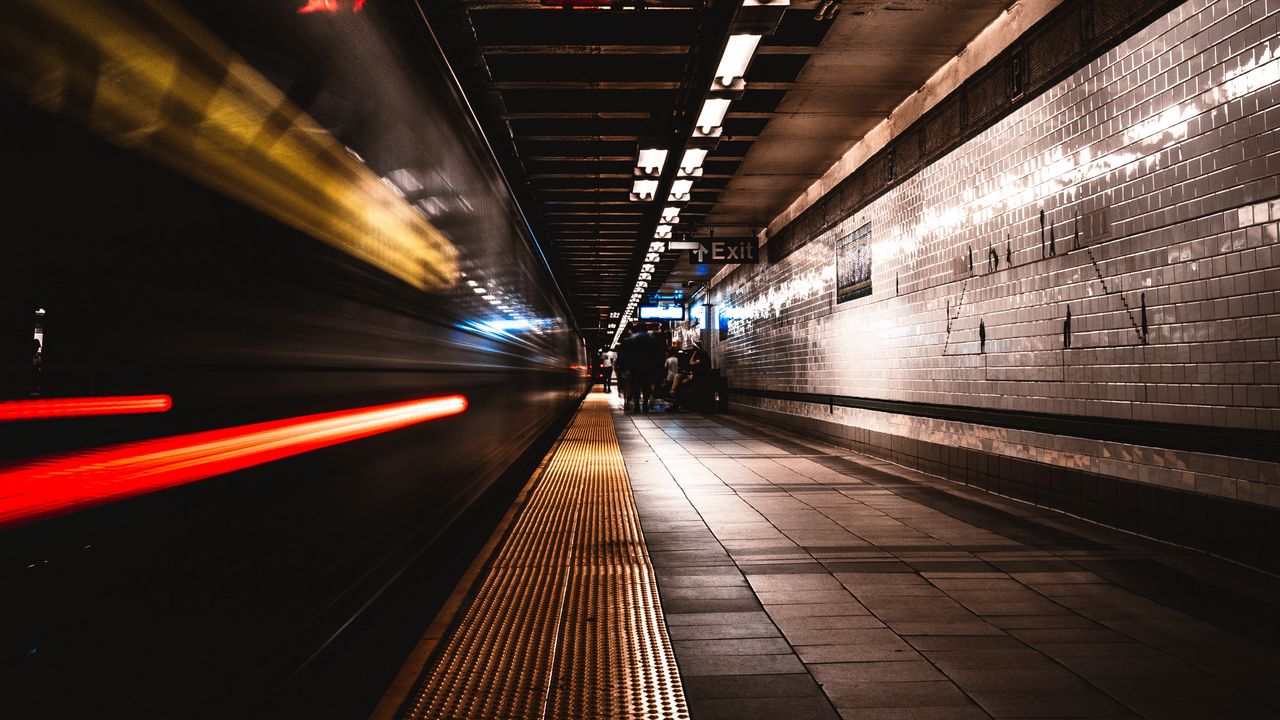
x=82, y=407
x=329, y=6
x=45, y=488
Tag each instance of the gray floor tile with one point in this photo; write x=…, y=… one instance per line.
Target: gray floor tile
x=952, y=712
x=732, y=646
x=752, y=686
x=695, y=665
x=906, y=670
x=901, y=594
x=894, y=694
x=763, y=708
x=722, y=632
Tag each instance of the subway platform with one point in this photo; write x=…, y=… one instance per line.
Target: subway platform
x=707, y=567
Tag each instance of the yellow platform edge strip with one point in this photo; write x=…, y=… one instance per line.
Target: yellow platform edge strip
x=566, y=620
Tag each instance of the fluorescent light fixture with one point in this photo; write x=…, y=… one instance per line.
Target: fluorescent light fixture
x=651, y=161
x=657, y=247
x=662, y=231
x=647, y=267
x=680, y=190
x=670, y=214
x=646, y=276
x=737, y=55
x=490, y=297
x=691, y=163
x=652, y=257
x=480, y=290
x=472, y=283
x=644, y=189
x=713, y=112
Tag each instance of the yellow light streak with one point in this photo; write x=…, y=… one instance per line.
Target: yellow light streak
x=165, y=87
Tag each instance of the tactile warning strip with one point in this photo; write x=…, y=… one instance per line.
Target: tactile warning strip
x=567, y=622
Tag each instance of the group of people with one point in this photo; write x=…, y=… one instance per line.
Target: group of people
x=650, y=366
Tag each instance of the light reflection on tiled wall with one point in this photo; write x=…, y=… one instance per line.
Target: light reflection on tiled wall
x=1160, y=161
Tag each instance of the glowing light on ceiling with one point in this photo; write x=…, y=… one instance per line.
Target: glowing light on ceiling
x=651, y=160
x=55, y=408
x=737, y=55
x=713, y=112
x=692, y=160
x=644, y=189
x=69, y=483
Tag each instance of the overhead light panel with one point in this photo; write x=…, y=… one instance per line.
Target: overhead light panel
x=651, y=161
x=652, y=257
x=644, y=189
x=657, y=247
x=662, y=232
x=712, y=115
x=645, y=276
x=680, y=190
x=670, y=214
x=647, y=267
x=736, y=58
x=691, y=163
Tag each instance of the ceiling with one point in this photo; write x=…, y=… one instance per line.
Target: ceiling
x=567, y=96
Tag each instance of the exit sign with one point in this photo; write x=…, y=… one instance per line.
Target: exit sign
x=725, y=252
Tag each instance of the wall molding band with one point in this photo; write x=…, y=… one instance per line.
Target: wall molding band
x=1231, y=442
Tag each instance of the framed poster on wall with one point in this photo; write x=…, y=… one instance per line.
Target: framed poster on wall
x=853, y=264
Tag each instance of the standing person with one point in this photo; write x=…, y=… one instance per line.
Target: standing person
x=672, y=380
x=622, y=363
x=37, y=366
x=606, y=367
x=699, y=391
x=647, y=369
x=699, y=361
x=637, y=366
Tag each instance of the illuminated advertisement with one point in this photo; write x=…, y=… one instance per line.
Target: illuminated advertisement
x=658, y=312
x=853, y=264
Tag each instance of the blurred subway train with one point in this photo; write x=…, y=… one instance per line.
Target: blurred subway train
x=276, y=342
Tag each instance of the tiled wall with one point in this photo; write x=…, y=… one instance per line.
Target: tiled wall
x=1156, y=167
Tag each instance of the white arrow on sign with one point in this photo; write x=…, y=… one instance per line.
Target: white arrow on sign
x=701, y=252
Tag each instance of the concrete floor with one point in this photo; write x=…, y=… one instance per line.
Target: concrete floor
x=802, y=581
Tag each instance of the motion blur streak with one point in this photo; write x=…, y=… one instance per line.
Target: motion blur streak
x=45, y=488
x=165, y=87
x=83, y=407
